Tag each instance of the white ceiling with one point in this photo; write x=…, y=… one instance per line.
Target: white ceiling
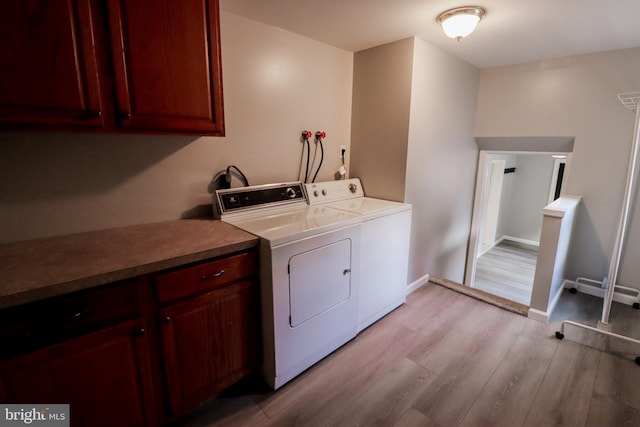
x=513, y=31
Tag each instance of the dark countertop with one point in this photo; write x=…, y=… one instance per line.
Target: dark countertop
x=36, y=269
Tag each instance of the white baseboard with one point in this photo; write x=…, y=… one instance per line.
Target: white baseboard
x=543, y=316
x=413, y=286
x=600, y=292
x=540, y=316
x=519, y=240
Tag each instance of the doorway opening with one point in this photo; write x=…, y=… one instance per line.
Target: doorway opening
x=511, y=190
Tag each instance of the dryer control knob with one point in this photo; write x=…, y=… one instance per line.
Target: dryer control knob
x=291, y=193
x=315, y=193
x=324, y=192
x=353, y=188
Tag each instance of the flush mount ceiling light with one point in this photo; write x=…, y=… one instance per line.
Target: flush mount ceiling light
x=460, y=22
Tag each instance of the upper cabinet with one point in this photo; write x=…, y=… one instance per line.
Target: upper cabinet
x=49, y=72
x=166, y=58
x=120, y=66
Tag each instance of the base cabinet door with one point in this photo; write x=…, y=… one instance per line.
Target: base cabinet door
x=104, y=376
x=208, y=343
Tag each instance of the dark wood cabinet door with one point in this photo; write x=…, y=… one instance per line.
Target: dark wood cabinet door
x=103, y=376
x=166, y=57
x=209, y=342
x=48, y=66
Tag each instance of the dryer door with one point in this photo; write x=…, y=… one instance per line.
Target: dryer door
x=319, y=280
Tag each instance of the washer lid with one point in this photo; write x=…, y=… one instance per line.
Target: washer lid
x=368, y=205
x=293, y=224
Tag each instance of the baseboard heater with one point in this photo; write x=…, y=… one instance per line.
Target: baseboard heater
x=622, y=294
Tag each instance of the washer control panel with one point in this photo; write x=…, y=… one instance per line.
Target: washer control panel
x=332, y=191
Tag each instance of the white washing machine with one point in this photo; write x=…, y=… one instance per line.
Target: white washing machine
x=384, y=255
x=309, y=273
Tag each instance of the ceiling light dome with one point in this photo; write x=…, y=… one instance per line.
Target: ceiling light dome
x=460, y=22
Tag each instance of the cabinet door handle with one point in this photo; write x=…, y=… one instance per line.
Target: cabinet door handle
x=166, y=319
x=212, y=276
x=96, y=114
x=346, y=271
x=139, y=332
x=126, y=116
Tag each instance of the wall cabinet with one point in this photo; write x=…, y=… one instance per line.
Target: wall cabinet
x=114, y=65
x=49, y=72
x=123, y=350
x=166, y=57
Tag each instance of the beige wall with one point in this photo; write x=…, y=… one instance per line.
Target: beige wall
x=575, y=96
x=275, y=85
x=412, y=140
x=441, y=161
x=380, y=118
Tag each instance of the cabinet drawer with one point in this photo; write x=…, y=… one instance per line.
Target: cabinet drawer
x=41, y=323
x=203, y=277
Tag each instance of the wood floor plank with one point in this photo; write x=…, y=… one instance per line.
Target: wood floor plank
x=618, y=379
x=386, y=401
x=507, y=270
x=605, y=411
x=425, y=307
x=624, y=320
x=583, y=309
x=329, y=388
x=506, y=398
x=452, y=337
x=414, y=418
x=565, y=393
x=471, y=365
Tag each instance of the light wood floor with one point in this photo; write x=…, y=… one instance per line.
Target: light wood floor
x=446, y=359
x=507, y=270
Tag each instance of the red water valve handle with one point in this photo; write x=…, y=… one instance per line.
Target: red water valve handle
x=320, y=134
x=306, y=134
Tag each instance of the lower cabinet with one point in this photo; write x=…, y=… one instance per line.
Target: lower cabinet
x=104, y=376
x=208, y=343
x=137, y=353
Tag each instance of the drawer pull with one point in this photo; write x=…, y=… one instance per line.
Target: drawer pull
x=139, y=332
x=212, y=276
x=77, y=315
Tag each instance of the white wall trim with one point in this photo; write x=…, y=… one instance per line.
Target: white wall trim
x=519, y=240
x=538, y=315
x=543, y=316
x=413, y=286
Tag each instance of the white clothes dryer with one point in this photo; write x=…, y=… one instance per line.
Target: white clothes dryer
x=385, y=239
